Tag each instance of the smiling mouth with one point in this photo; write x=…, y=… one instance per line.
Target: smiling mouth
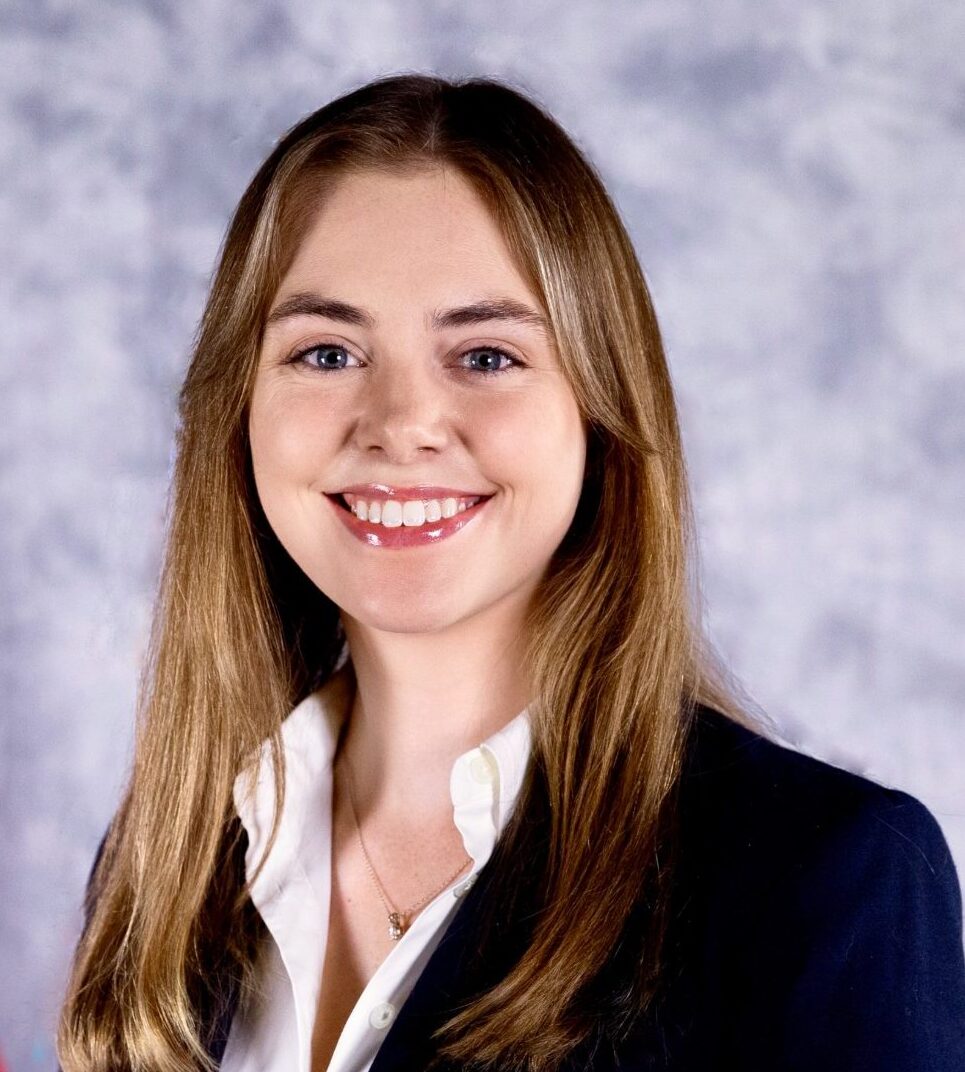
x=412, y=513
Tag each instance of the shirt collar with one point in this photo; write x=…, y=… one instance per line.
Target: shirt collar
x=484, y=784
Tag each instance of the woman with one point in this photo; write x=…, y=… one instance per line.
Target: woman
x=425, y=619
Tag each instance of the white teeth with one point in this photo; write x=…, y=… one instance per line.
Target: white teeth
x=392, y=513
x=413, y=514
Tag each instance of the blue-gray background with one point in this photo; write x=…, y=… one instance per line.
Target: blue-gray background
x=793, y=176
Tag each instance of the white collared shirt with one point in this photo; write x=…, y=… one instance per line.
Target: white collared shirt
x=293, y=890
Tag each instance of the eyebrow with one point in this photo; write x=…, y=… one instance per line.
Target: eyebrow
x=306, y=303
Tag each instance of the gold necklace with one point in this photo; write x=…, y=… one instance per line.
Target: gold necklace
x=399, y=921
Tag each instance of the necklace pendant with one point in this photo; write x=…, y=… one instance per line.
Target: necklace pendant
x=396, y=926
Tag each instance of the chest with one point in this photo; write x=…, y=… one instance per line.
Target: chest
x=358, y=940
x=349, y=964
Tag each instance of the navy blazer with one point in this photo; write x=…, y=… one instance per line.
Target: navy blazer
x=817, y=925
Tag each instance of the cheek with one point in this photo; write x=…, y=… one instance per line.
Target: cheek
x=287, y=442
x=540, y=448
x=553, y=444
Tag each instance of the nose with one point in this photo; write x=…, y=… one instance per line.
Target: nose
x=403, y=409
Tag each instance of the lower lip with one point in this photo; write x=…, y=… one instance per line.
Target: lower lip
x=375, y=535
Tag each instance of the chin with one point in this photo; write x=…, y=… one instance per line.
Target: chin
x=394, y=620
x=400, y=609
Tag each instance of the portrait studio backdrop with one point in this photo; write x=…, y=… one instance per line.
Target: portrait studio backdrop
x=792, y=175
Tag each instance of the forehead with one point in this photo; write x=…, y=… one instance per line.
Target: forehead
x=425, y=230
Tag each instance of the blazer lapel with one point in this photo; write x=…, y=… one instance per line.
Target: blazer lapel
x=452, y=977
x=456, y=972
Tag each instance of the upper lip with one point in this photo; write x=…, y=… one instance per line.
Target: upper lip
x=420, y=491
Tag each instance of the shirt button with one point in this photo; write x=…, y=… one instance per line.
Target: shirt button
x=382, y=1015
x=481, y=768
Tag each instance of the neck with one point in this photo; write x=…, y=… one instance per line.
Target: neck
x=421, y=700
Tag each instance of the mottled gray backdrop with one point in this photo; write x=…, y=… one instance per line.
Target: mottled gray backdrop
x=793, y=176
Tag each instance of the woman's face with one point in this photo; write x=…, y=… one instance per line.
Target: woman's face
x=381, y=366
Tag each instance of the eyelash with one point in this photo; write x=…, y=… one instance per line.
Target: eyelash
x=299, y=355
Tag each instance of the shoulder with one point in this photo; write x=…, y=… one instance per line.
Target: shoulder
x=830, y=902
x=750, y=795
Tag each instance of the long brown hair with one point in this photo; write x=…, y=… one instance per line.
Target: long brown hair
x=614, y=639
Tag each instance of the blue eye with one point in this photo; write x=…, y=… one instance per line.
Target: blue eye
x=495, y=350
x=325, y=350
x=331, y=352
